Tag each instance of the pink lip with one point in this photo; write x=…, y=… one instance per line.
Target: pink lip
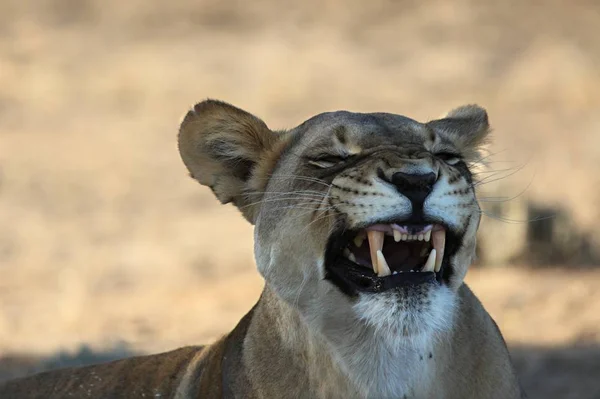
x=404, y=229
x=387, y=228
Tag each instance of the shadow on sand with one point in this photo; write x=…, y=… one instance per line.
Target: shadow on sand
x=545, y=372
x=559, y=372
x=19, y=365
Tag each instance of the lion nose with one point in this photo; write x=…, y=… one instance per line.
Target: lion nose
x=414, y=187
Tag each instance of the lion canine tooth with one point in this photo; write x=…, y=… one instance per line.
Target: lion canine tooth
x=375, y=244
x=397, y=236
x=438, y=239
x=359, y=239
x=346, y=252
x=430, y=264
x=352, y=257
x=427, y=236
x=384, y=269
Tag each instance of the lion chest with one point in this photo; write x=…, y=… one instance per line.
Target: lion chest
x=380, y=368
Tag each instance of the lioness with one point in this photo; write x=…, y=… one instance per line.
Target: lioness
x=364, y=228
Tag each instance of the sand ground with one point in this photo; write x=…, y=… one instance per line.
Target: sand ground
x=107, y=248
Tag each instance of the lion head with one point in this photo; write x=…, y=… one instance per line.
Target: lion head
x=360, y=219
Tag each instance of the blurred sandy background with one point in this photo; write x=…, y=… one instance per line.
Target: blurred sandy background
x=108, y=249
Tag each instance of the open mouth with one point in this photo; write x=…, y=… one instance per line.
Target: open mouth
x=384, y=256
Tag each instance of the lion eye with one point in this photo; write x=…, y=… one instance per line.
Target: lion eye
x=326, y=161
x=449, y=157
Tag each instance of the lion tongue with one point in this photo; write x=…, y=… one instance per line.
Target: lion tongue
x=375, y=244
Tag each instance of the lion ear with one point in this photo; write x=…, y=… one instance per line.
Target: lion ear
x=467, y=127
x=221, y=146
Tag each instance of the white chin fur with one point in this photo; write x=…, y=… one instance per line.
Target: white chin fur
x=415, y=313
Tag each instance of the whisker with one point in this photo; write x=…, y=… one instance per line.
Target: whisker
x=474, y=163
x=304, y=205
x=310, y=192
x=492, y=171
x=265, y=200
x=316, y=220
x=514, y=221
x=506, y=199
x=487, y=156
x=483, y=181
x=298, y=177
x=301, y=208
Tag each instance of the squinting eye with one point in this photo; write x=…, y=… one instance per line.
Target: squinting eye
x=326, y=161
x=449, y=158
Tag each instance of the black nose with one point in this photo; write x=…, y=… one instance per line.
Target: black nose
x=414, y=187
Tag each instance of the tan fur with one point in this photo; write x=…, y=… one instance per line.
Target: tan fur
x=305, y=338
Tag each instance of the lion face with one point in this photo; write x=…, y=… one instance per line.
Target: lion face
x=363, y=217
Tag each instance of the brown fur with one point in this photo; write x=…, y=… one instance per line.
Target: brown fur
x=128, y=378
x=305, y=338
x=236, y=141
